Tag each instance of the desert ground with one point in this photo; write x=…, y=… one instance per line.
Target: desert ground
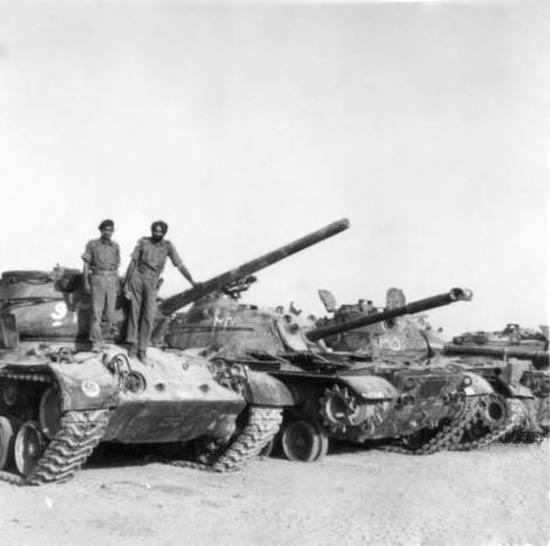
x=497, y=495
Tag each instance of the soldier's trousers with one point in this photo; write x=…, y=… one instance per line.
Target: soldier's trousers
x=104, y=293
x=143, y=308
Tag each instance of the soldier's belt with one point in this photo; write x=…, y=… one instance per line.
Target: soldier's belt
x=105, y=272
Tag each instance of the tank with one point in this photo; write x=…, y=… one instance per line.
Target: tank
x=519, y=356
x=342, y=395
x=514, y=361
x=58, y=400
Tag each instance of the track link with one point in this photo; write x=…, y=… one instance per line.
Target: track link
x=263, y=423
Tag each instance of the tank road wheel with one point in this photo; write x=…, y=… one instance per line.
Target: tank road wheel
x=304, y=441
x=493, y=411
x=6, y=442
x=323, y=450
x=28, y=448
x=50, y=412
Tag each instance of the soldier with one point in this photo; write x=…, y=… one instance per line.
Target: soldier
x=101, y=262
x=142, y=282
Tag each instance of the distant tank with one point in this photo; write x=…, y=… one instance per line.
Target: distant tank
x=495, y=355
x=58, y=400
x=523, y=342
x=519, y=356
x=343, y=395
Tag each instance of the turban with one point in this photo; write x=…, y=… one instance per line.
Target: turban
x=161, y=224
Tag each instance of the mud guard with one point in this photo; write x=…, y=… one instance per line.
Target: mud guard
x=480, y=385
x=371, y=387
x=266, y=390
x=519, y=391
x=85, y=386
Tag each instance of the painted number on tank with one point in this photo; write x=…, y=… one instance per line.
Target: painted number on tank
x=392, y=342
x=59, y=314
x=221, y=319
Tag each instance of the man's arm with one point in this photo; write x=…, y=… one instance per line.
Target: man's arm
x=179, y=265
x=117, y=256
x=185, y=272
x=86, y=258
x=127, y=277
x=131, y=267
x=86, y=278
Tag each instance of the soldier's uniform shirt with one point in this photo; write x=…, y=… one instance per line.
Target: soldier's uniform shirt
x=150, y=258
x=103, y=259
x=102, y=256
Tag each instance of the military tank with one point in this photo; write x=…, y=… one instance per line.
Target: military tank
x=341, y=395
x=58, y=401
x=495, y=356
x=517, y=356
x=518, y=341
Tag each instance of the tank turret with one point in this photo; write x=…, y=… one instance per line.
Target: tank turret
x=440, y=300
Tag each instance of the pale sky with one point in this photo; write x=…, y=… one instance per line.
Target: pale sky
x=245, y=127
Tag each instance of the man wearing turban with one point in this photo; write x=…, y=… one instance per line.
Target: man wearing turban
x=141, y=285
x=101, y=262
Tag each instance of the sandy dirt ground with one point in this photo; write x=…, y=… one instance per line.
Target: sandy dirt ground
x=498, y=495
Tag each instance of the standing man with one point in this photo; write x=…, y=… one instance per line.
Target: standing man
x=142, y=282
x=101, y=262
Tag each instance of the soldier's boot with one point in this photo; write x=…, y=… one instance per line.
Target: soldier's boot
x=142, y=356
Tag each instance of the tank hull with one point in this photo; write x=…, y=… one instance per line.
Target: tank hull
x=61, y=403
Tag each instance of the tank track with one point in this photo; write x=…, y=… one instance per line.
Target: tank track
x=531, y=430
x=78, y=434
x=263, y=423
x=447, y=435
x=516, y=416
x=451, y=437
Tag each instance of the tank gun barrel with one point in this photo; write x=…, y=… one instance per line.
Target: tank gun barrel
x=540, y=358
x=440, y=300
x=177, y=301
